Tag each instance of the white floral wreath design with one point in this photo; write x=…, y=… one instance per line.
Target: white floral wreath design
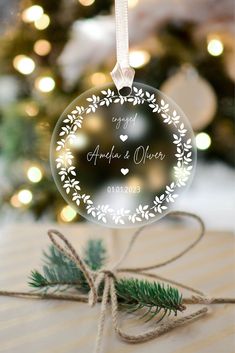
x=67, y=171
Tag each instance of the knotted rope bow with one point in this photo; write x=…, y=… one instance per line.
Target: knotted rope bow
x=107, y=276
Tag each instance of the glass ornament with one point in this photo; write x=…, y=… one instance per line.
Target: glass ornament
x=122, y=161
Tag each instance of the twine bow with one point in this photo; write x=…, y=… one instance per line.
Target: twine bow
x=107, y=276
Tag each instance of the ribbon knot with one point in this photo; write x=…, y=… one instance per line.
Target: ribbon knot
x=109, y=273
x=107, y=277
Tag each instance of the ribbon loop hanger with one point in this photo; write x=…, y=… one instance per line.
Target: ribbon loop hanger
x=122, y=74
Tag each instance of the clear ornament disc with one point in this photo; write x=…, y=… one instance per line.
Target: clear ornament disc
x=122, y=161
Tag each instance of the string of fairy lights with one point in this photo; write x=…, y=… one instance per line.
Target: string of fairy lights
x=45, y=84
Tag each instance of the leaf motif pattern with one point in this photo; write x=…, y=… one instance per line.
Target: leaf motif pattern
x=68, y=174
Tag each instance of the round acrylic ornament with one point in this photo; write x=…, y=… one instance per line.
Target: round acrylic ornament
x=122, y=161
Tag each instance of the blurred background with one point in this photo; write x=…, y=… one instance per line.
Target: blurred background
x=52, y=51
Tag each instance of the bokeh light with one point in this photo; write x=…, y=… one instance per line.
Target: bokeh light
x=34, y=174
x=24, y=64
x=43, y=22
x=94, y=123
x=67, y=214
x=31, y=109
x=15, y=202
x=139, y=58
x=215, y=47
x=86, y=2
x=98, y=78
x=32, y=13
x=45, y=84
x=42, y=47
x=25, y=196
x=203, y=141
x=132, y=3
x=80, y=141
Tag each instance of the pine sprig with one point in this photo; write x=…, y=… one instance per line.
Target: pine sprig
x=60, y=273
x=135, y=294
x=95, y=254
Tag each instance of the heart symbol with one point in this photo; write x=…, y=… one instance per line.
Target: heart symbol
x=123, y=137
x=124, y=171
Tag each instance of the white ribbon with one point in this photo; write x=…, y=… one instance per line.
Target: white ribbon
x=122, y=74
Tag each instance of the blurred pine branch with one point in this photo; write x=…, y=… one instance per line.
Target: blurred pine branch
x=60, y=273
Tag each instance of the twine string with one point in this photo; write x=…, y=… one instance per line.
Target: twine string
x=82, y=298
x=108, y=276
x=69, y=251
x=200, y=235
